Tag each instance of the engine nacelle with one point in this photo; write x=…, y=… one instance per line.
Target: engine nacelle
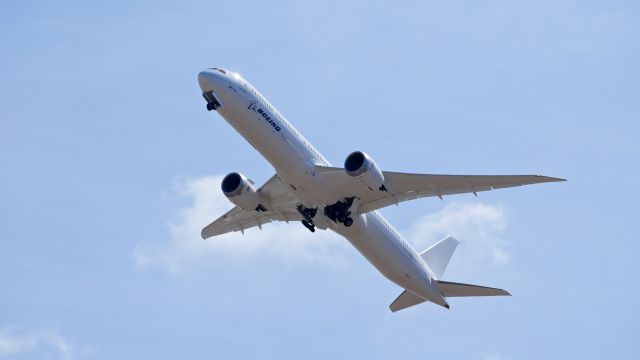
x=362, y=167
x=242, y=192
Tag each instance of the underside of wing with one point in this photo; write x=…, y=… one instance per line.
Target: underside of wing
x=237, y=219
x=406, y=186
x=281, y=207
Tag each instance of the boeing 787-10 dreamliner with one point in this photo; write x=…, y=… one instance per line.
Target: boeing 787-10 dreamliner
x=307, y=189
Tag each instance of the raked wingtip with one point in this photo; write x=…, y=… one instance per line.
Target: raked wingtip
x=551, y=178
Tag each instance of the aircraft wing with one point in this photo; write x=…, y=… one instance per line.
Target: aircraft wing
x=282, y=207
x=406, y=186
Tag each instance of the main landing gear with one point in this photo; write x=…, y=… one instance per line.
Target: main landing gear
x=212, y=102
x=308, y=215
x=339, y=212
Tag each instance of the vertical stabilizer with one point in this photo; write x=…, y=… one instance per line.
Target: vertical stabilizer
x=439, y=254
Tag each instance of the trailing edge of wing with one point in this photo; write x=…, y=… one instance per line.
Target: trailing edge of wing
x=237, y=219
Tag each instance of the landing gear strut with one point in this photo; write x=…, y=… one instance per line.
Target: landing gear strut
x=212, y=102
x=308, y=215
x=309, y=226
x=339, y=212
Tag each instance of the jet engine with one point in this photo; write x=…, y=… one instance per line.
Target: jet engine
x=362, y=167
x=242, y=192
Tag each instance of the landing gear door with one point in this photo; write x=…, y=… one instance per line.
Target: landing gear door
x=355, y=206
x=213, y=101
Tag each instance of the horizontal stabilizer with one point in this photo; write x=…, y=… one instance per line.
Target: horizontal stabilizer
x=438, y=255
x=452, y=289
x=405, y=300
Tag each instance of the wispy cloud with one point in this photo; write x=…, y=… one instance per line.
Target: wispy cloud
x=16, y=343
x=478, y=226
x=492, y=356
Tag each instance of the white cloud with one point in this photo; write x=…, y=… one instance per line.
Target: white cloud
x=478, y=226
x=13, y=343
x=492, y=356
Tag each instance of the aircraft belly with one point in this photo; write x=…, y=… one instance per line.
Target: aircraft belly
x=370, y=237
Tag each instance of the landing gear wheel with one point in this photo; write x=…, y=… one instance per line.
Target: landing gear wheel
x=309, y=226
x=339, y=212
x=211, y=106
x=348, y=222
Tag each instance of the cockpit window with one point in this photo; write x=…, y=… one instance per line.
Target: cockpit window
x=221, y=70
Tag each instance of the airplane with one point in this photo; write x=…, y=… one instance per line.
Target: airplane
x=308, y=189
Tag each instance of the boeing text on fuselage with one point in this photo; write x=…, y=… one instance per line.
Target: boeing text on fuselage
x=264, y=114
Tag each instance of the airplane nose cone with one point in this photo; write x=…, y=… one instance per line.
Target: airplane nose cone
x=205, y=80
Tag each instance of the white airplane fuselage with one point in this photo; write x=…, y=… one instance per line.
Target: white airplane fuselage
x=294, y=160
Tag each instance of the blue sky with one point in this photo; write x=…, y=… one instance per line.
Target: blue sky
x=111, y=164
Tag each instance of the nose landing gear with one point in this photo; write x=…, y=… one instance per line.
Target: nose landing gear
x=212, y=102
x=338, y=212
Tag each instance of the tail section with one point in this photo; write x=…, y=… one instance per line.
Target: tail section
x=437, y=257
x=439, y=254
x=448, y=289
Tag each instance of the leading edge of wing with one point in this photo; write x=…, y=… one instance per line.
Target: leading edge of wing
x=331, y=170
